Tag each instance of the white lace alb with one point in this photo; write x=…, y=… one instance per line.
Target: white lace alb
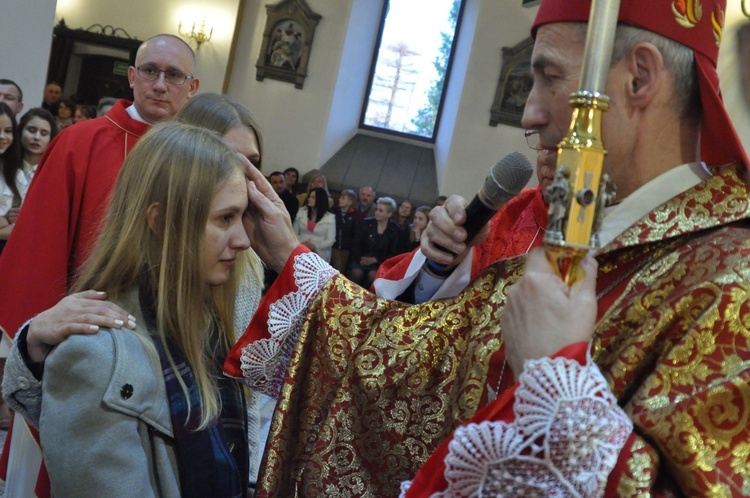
x=565, y=440
x=264, y=362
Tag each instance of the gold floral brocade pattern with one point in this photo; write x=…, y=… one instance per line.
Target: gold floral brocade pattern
x=675, y=346
x=720, y=200
x=372, y=401
x=374, y=386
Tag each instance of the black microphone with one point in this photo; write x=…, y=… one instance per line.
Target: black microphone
x=505, y=180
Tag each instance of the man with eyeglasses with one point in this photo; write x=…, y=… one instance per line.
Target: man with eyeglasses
x=65, y=205
x=633, y=382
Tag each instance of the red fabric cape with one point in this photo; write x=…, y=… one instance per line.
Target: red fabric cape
x=66, y=202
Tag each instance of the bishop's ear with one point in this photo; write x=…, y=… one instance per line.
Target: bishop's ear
x=646, y=69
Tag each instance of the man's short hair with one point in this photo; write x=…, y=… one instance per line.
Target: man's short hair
x=275, y=173
x=3, y=81
x=168, y=35
x=678, y=60
x=350, y=194
x=367, y=186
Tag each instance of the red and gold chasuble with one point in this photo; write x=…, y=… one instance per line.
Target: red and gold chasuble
x=373, y=387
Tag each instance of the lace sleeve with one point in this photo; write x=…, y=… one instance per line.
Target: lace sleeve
x=263, y=361
x=564, y=441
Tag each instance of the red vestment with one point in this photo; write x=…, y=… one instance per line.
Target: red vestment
x=373, y=386
x=65, y=204
x=59, y=222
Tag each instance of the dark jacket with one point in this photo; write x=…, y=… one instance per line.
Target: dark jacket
x=291, y=202
x=345, y=227
x=367, y=241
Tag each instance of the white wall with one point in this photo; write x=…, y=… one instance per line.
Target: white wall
x=349, y=93
x=454, y=91
x=145, y=18
x=26, y=53
x=294, y=121
x=476, y=146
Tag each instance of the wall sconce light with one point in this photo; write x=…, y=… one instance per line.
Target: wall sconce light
x=199, y=37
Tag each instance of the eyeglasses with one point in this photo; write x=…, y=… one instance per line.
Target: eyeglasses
x=533, y=139
x=171, y=76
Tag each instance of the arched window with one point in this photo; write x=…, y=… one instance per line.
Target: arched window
x=411, y=67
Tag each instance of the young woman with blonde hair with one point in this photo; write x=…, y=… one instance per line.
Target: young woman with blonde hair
x=146, y=411
x=84, y=312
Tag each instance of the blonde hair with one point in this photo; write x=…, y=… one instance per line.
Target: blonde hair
x=388, y=203
x=221, y=114
x=178, y=167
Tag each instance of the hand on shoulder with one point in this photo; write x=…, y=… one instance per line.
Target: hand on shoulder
x=81, y=313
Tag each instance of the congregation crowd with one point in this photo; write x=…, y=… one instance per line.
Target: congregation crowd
x=24, y=138
x=355, y=232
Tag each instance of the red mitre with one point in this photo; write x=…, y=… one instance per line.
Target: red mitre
x=697, y=24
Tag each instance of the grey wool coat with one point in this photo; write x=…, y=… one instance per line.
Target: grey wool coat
x=105, y=422
x=107, y=363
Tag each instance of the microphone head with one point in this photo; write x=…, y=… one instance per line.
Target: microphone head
x=506, y=179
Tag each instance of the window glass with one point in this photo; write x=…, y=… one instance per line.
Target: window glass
x=410, y=67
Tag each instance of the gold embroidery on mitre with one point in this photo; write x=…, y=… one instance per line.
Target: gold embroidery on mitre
x=717, y=23
x=687, y=12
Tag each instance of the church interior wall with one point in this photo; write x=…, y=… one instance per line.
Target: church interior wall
x=304, y=128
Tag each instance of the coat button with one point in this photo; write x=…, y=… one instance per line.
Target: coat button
x=126, y=391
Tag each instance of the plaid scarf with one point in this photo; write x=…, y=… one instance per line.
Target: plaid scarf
x=213, y=461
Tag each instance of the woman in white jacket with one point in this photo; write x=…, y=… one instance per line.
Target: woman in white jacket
x=315, y=225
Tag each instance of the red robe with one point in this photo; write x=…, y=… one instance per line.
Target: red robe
x=65, y=204
x=373, y=386
x=516, y=228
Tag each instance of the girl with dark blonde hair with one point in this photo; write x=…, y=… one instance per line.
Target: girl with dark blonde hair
x=147, y=401
x=228, y=117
